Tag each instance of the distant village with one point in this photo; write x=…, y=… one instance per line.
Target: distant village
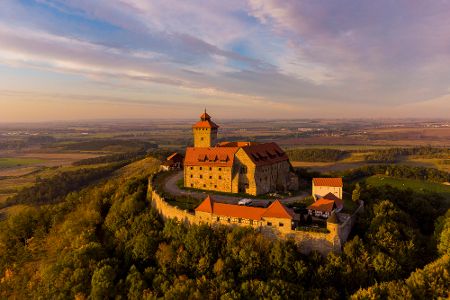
x=249, y=168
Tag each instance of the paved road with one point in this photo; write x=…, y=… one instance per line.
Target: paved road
x=171, y=187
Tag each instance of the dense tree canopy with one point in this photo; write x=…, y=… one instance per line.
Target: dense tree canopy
x=105, y=241
x=316, y=155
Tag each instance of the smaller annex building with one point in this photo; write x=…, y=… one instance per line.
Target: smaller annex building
x=324, y=186
x=276, y=216
x=173, y=162
x=324, y=206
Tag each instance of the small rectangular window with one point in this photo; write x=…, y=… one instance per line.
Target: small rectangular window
x=220, y=177
x=239, y=220
x=243, y=170
x=192, y=168
x=192, y=176
x=218, y=219
x=192, y=185
x=281, y=224
x=269, y=223
x=204, y=185
x=201, y=168
x=201, y=176
x=220, y=169
x=215, y=186
x=210, y=177
x=210, y=168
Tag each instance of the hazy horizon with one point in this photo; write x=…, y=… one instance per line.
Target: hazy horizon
x=79, y=60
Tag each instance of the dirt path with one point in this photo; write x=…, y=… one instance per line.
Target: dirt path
x=171, y=187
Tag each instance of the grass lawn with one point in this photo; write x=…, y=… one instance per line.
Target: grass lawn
x=438, y=163
x=183, y=202
x=18, y=162
x=403, y=184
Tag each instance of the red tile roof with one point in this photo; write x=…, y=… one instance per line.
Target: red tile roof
x=215, y=156
x=175, y=156
x=275, y=210
x=278, y=210
x=223, y=154
x=206, y=205
x=237, y=211
x=335, y=182
x=333, y=197
x=205, y=124
x=323, y=205
x=265, y=154
x=205, y=116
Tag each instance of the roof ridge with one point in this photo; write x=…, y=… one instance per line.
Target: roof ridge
x=277, y=209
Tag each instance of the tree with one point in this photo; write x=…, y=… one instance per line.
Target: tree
x=102, y=283
x=135, y=283
x=356, y=193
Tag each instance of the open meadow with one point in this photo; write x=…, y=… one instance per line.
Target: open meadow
x=416, y=185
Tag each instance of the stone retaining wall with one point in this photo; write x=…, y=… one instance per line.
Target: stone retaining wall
x=307, y=241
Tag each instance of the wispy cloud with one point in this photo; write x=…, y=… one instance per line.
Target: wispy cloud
x=267, y=53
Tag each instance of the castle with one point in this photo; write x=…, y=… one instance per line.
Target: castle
x=235, y=167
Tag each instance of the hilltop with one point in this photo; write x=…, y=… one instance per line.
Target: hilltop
x=104, y=240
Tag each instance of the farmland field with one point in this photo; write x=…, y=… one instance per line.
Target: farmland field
x=356, y=160
x=403, y=184
x=11, y=162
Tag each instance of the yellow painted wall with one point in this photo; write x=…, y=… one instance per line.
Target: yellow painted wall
x=321, y=191
x=307, y=241
x=204, y=137
x=208, y=178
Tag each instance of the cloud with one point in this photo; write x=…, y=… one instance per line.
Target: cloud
x=293, y=54
x=385, y=45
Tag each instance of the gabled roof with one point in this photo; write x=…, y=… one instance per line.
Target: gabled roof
x=214, y=156
x=275, y=210
x=265, y=154
x=334, y=182
x=206, y=205
x=333, y=197
x=323, y=205
x=237, y=211
x=278, y=210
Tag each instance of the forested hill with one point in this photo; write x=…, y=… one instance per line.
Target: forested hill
x=105, y=242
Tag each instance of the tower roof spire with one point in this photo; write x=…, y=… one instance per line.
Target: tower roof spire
x=205, y=116
x=205, y=121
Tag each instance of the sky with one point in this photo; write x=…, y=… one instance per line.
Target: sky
x=123, y=59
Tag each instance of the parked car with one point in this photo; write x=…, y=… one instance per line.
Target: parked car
x=245, y=202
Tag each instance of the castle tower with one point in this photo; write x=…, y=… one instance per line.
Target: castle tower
x=205, y=131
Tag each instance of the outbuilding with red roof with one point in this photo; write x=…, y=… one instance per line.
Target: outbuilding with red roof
x=324, y=186
x=276, y=216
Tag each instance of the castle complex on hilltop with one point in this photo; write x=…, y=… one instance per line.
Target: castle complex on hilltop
x=235, y=167
x=255, y=168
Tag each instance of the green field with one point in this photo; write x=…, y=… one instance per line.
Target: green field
x=18, y=162
x=403, y=184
